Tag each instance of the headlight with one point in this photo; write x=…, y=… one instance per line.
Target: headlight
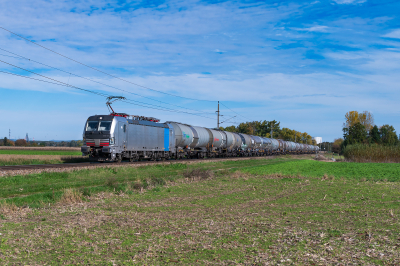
x=112, y=141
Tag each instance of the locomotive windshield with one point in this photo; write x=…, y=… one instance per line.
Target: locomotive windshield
x=96, y=126
x=92, y=125
x=105, y=126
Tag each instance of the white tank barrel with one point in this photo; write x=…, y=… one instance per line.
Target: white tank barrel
x=183, y=134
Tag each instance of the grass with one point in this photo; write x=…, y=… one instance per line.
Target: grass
x=208, y=213
x=310, y=168
x=36, y=190
x=41, y=152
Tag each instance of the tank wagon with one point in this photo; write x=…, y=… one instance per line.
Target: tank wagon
x=119, y=136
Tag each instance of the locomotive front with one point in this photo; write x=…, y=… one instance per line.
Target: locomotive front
x=99, y=138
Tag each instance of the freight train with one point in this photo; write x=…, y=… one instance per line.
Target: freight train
x=116, y=137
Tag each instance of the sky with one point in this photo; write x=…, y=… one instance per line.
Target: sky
x=303, y=63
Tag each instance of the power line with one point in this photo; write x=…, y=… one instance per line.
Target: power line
x=235, y=112
x=100, y=94
x=31, y=60
x=101, y=70
x=90, y=91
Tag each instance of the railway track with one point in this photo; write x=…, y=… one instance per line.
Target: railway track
x=37, y=168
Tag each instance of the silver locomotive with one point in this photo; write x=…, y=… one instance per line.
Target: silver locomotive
x=118, y=136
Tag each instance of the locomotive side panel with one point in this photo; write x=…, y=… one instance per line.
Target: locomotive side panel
x=147, y=138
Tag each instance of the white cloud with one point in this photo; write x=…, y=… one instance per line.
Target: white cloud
x=314, y=28
x=394, y=34
x=349, y=1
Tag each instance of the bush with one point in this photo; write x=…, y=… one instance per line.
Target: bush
x=20, y=142
x=372, y=153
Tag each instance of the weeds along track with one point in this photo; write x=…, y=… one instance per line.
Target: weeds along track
x=13, y=170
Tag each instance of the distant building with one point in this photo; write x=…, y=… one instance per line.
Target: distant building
x=27, y=137
x=318, y=140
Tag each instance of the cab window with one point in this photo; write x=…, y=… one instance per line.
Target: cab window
x=92, y=125
x=105, y=126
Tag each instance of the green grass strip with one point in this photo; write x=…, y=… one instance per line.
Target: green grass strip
x=309, y=168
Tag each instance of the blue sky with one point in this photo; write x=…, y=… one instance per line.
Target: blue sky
x=304, y=63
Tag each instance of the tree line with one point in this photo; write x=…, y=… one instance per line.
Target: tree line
x=263, y=129
x=23, y=143
x=360, y=128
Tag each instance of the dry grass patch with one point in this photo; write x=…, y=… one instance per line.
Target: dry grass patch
x=16, y=157
x=71, y=196
x=198, y=173
x=41, y=148
x=7, y=208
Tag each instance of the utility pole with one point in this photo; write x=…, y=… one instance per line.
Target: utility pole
x=218, y=116
x=9, y=133
x=295, y=136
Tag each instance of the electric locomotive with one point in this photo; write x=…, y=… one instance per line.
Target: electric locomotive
x=119, y=136
x=116, y=137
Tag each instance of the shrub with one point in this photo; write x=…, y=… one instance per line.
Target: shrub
x=372, y=153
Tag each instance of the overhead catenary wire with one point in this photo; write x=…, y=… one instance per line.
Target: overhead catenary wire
x=57, y=82
x=31, y=60
x=98, y=70
x=100, y=94
x=235, y=112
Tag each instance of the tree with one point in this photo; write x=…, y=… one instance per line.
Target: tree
x=246, y=128
x=20, y=142
x=374, y=135
x=287, y=134
x=257, y=128
x=365, y=118
x=10, y=143
x=5, y=141
x=229, y=129
x=34, y=144
x=354, y=134
x=337, y=143
x=388, y=135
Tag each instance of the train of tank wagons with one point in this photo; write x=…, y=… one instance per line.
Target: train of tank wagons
x=117, y=137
